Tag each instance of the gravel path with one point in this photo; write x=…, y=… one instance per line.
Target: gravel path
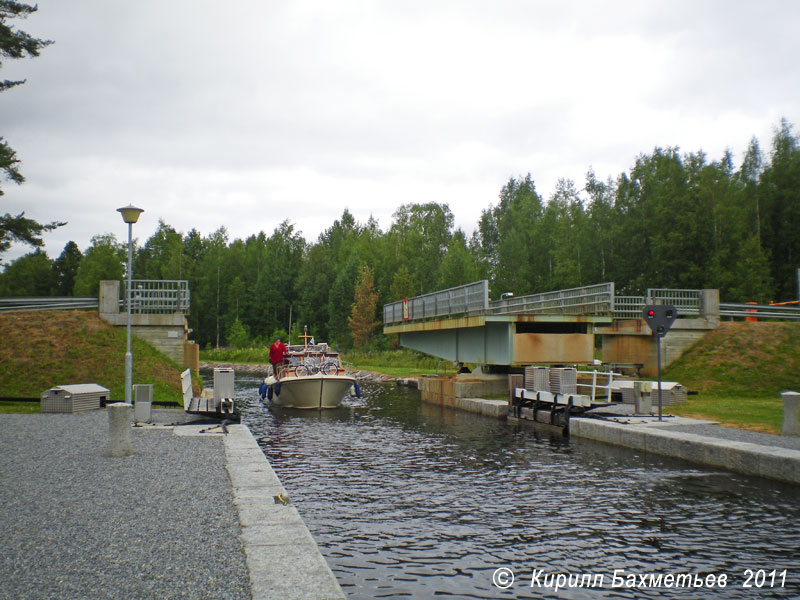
x=713, y=431
x=77, y=524
x=740, y=435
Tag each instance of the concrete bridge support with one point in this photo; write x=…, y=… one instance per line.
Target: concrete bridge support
x=166, y=332
x=630, y=343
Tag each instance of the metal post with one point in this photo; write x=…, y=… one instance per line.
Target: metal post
x=128, y=355
x=658, y=362
x=798, y=284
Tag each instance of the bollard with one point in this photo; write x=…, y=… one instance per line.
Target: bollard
x=791, y=403
x=119, y=429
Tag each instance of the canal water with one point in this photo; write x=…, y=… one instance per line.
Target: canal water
x=410, y=500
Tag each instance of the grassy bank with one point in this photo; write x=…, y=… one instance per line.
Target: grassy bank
x=739, y=371
x=42, y=349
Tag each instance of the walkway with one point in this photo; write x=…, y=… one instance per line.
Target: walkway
x=190, y=514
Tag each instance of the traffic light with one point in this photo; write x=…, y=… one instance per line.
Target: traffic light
x=660, y=317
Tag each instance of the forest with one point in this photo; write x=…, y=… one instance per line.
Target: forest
x=675, y=220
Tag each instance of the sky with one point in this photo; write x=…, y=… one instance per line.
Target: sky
x=246, y=113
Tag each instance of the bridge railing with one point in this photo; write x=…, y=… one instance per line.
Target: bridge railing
x=688, y=302
x=472, y=298
x=597, y=299
x=588, y=300
x=158, y=296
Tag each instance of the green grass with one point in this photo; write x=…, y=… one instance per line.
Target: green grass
x=43, y=349
x=258, y=356
x=19, y=407
x=739, y=371
x=755, y=414
x=396, y=363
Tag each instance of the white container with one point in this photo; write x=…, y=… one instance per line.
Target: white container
x=223, y=383
x=143, y=403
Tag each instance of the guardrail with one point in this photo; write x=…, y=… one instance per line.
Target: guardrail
x=759, y=311
x=588, y=300
x=158, y=296
x=49, y=303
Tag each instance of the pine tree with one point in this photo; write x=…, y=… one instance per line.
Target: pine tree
x=362, y=315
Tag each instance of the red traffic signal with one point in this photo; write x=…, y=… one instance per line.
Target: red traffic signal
x=660, y=317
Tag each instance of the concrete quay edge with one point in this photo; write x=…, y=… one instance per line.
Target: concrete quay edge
x=283, y=560
x=651, y=437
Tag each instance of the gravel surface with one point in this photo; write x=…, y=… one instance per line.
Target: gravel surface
x=713, y=431
x=77, y=524
x=740, y=435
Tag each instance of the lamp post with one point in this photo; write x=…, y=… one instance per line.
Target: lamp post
x=130, y=214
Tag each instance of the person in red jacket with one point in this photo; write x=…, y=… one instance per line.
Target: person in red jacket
x=277, y=352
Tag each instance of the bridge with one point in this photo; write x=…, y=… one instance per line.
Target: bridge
x=461, y=324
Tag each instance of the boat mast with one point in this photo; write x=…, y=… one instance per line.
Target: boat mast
x=305, y=336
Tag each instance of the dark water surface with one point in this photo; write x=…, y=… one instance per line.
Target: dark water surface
x=411, y=500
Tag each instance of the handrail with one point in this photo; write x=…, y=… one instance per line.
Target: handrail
x=594, y=385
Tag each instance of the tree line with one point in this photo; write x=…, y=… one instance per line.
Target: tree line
x=674, y=220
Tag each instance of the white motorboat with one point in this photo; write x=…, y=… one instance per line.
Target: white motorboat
x=312, y=377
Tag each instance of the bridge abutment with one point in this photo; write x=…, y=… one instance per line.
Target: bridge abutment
x=166, y=332
x=629, y=343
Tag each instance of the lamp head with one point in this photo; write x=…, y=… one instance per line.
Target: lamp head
x=130, y=214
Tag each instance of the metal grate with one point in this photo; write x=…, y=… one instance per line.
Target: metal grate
x=564, y=380
x=537, y=379
x=158, y=296
x=688, y=302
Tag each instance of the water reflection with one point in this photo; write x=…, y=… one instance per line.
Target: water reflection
x=411, y=500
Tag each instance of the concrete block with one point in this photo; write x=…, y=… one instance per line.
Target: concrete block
x=779, y=463
x=109, y=297
x=242, y=454
x=791, y=412
x=277, y=534
x=119, y=429
x=249, y=476
x=309, y=577
x=264, y=511
x=632, y=437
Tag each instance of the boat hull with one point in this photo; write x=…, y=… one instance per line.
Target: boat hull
x=313, y=391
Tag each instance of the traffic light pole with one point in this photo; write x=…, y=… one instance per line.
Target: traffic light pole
x=659, y=317
x=658, y=367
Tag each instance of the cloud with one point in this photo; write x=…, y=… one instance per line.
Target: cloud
x=249, y=113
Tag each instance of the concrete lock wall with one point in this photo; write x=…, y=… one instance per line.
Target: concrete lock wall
x=448, y=391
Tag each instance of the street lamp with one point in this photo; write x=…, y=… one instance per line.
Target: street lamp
x=130, y=214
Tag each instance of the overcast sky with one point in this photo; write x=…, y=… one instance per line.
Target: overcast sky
x=246, y=113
